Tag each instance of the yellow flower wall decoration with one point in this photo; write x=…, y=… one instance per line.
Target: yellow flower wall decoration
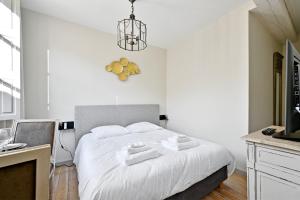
x=123, y=68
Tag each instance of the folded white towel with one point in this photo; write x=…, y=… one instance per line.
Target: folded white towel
x=134, y=150
x=131, y=159
x=179, y=146
x=136, y=145
x=179, y=139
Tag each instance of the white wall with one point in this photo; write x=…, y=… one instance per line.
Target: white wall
x=77, y=59
x=208, y=83
x=262, y=46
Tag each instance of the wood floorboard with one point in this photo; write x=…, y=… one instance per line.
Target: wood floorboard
x=64, y=186
x=72, y=185
x=54, y=183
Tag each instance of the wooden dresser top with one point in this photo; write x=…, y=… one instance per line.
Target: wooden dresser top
x=258, y=137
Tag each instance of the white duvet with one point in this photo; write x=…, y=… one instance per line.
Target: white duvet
x=102, y=177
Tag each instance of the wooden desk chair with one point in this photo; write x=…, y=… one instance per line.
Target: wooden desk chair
x=37, y=132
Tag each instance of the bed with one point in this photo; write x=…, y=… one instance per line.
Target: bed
x=189, y=174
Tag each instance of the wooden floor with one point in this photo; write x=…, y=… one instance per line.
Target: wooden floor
x=64, y=186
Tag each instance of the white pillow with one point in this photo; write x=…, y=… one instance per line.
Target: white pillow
x=142, y=127
x=109, y=131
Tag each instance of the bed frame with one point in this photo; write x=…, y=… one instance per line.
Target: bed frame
x=88, y=117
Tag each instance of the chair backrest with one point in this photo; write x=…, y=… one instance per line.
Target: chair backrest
x=35, y=132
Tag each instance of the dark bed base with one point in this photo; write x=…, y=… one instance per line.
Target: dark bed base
x=202, y=188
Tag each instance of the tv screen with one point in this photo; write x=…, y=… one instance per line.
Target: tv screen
x=292, y=98
x=292, y=120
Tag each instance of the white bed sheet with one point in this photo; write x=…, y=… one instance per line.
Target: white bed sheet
x=102, y=177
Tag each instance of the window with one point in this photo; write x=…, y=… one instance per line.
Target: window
x=10, y=54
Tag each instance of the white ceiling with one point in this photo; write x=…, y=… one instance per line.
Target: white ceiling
x=167, y=20
x=294, y=10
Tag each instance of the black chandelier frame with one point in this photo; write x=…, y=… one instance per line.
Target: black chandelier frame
x=132, y=33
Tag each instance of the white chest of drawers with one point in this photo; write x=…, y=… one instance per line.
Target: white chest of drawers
x=273, y=168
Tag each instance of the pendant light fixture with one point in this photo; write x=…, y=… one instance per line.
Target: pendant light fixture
x=132, y=33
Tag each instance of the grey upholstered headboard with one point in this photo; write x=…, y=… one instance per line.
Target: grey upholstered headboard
x=88, y=117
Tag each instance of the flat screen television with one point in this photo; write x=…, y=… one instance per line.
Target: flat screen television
x=292, y=98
